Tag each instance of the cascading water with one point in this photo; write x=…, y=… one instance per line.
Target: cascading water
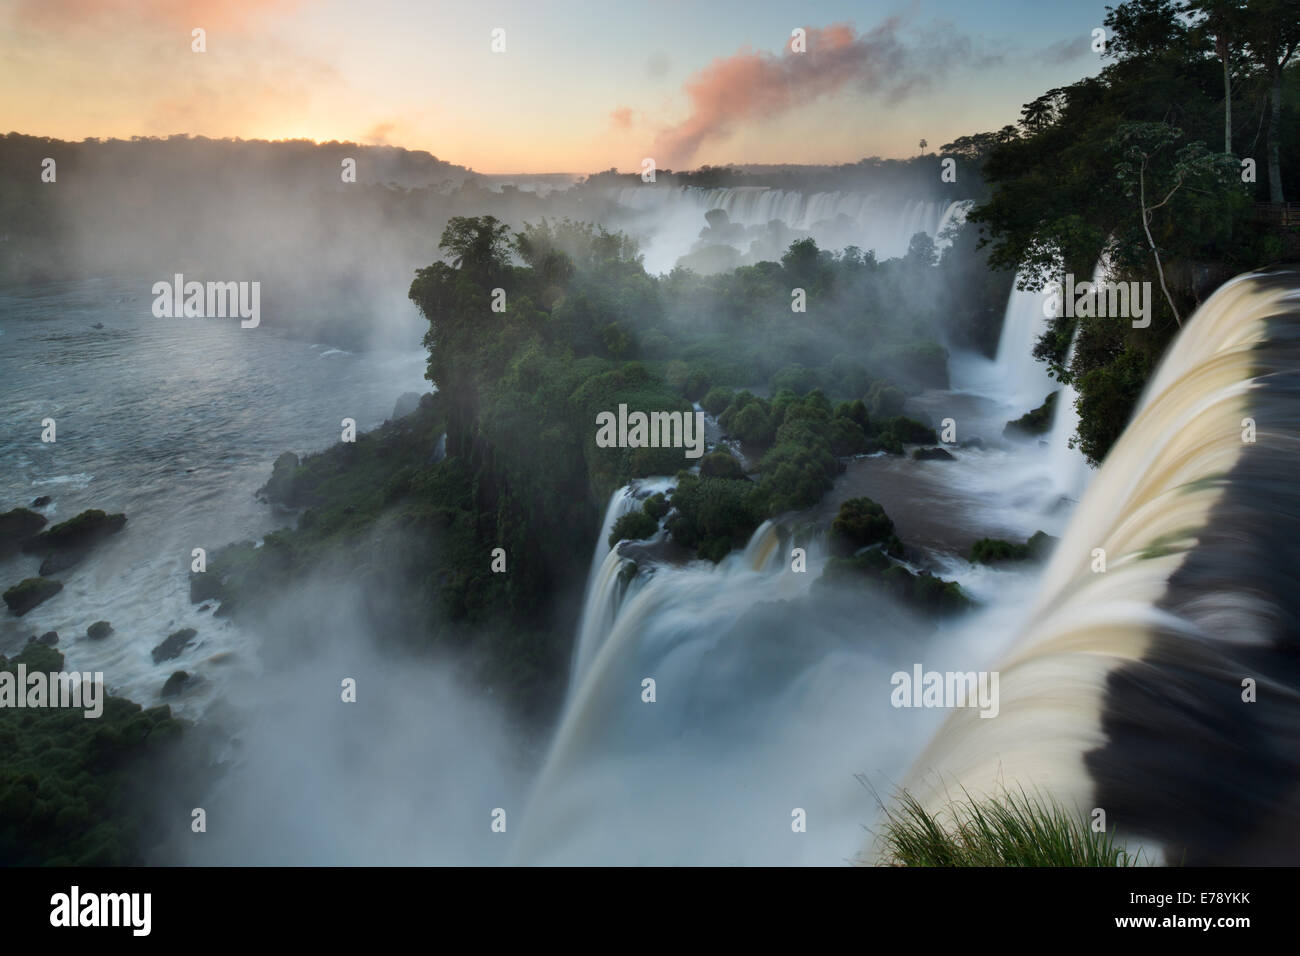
x=1069, y=469
x=674, y=216
x=604, y=588
x=1155, y=676
x=1022, y=380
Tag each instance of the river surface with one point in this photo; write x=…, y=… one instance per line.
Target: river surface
x=175, y=422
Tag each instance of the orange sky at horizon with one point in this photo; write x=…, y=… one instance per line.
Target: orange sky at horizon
x=567, y=94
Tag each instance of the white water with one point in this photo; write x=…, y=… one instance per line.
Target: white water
x=671, y=217
x=1016, y=377
x=175, y=422
x=761, y=709
x=1143, y=509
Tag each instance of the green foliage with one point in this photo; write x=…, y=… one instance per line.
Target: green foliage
x=714, y=514
x=721, y=464
x=80, y=531
x=717, y=400
x=1118, y=163
x=752, y=425
x=885, y=400
x=1037, y=421
x=65, y=796
x=633, y=526
x=860, y=522
x=995, y=550
x=796, y=379
x=1011, y=829
x=894, y=433
x=656, y=506
x=922, y=592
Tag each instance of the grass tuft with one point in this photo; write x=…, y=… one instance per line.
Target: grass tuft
x=1013, y=829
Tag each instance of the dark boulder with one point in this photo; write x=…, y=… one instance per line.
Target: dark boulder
x=175, y=684
x=26, y=594
x=933, y=454
x=66, y=544
x=17, y=527
x=174, y=644
x=99, y=630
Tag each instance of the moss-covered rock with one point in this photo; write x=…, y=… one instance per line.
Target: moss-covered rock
x=1035, y=422
x=996, y=551
x=30, y=592
x=922, y=592
x=84, y=530
x=66, y=544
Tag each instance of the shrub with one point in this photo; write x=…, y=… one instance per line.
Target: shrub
x=633, y=526
x=860, y=522
x=656, y=506
x=717, y=400
x=752, y=425
x=721, y=464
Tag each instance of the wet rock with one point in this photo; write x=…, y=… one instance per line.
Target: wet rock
x=1035, y=422
x=49, y=638
x=933, y=454
x=174, y=644
x=18, y=527
x=27, y=594
x=41, y=502
x=68, y=543
x=204, y=586
x=175, y=684
x=99, y=630
x=57, y=561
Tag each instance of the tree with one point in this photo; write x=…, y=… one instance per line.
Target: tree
x=1144, y=146
x=479, y=246
x=1037, y=115
x=1222, y=20
x=1271, y=30
x=921, y=252
x=1145, y=28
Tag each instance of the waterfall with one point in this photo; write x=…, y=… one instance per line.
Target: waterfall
x=604, y=588
x=1019, y=378
x=604, y=592
x=1068, y=468
x=761, y=552
x=748, y=693
x=674, y=215
x=1124, y=687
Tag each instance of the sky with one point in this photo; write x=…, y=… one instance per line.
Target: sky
x=579, y=86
